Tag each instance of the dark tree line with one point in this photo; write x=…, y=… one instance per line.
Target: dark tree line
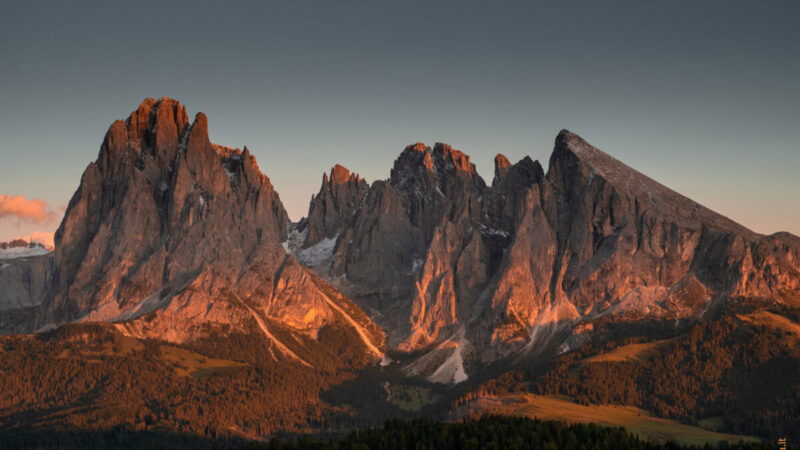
x=487, y=433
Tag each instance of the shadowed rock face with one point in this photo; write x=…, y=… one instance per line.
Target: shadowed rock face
x=169, y=233
x=335, y=205
x=24, y=281
x=399, y=224
x=26, y=271
x=618, y=230
x=468, y=270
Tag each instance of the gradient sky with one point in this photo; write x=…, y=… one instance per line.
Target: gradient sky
x=703, y=96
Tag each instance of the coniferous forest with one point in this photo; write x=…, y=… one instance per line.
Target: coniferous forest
x=487, y=433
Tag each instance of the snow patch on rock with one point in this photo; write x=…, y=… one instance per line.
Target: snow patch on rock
x=312, y=256
x=22, y=252
x=488, y=231
x=294, y=241
x=318, y=253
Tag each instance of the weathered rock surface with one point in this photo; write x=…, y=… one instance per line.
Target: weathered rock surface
x=472, y=272
x=169, y=234
x=26, y=271
x=334, y=207
x=24, y=281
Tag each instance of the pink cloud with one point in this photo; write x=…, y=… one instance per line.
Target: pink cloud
x=29, y=210
x=41, y=237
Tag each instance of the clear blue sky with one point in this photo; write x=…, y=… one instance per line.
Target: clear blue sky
x=703, y=96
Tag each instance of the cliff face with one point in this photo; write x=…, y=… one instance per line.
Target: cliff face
x=169, y=234
x=26, y=272
x=334, y=207
x=618, y=230
x=476, y=273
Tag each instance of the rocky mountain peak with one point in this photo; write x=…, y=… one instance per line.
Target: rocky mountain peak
x=526, y=171
x=156, y=129
x=341, y=175
x=509, y=269
x=575, y=164
x=413, y=169
x=155, y=211
x=171, y=236
x=501, y=165
x=415, y=158
x=418, y=147
x=420, y=169
x=447, y=157
x=198, y=133
x=335, y=205
x=571, y=150
x=157, y=125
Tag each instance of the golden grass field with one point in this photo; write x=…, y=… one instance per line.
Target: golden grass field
x=634, y=419
x=766, y=318
x=186, y=363
x=631, y=352
x=183, y=362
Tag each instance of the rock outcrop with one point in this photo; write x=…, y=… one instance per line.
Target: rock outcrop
x=26, y=271
x=334, y=207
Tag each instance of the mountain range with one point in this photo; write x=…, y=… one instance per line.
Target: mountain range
x=434, y=275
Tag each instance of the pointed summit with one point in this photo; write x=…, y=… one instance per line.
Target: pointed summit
x=335, y=203
x=414, y=165
x=571, y=148
x=418, y=147
x=446, y=157
x=501, y=164
x=157, y=123
x=198, y=134
x=575, y=162
x=164, y=207
x=341, y=175
x=420, y=167
x=156, y=127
